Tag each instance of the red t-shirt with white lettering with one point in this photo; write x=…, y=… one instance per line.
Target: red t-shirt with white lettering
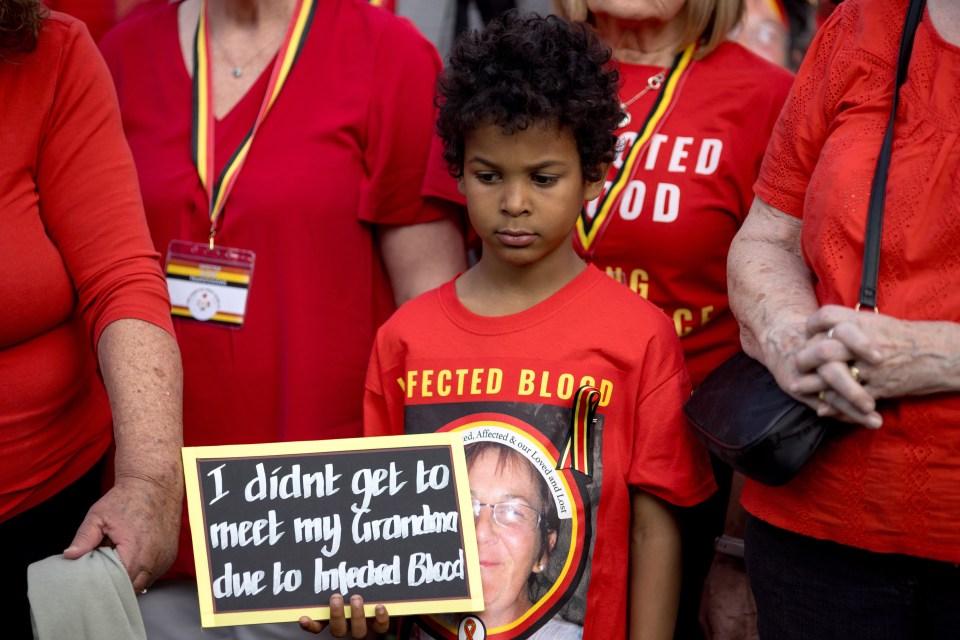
x=668, y=235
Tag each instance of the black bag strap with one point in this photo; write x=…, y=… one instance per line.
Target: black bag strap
x=878, y=190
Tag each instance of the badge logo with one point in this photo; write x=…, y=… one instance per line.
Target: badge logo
x=203, y=303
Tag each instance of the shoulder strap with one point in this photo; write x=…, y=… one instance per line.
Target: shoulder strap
x=878, y=190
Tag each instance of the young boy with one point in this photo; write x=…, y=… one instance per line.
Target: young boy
x=569, y=546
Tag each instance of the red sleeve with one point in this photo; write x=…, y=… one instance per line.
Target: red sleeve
x=89, y=199
x=438, y=183
x=441, y=192
x=667, y=461
x=803, y=125
x=400, y=128
x=377, y=418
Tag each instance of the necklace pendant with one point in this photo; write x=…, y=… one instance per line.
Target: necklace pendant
x=236, y=72
x=626, y=116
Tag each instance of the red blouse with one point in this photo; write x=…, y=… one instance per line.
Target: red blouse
x=897, y=489
x=75, y=255
x=343, y=150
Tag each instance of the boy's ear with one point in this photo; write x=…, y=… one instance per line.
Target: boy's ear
x=460, y=187
x=592, y=189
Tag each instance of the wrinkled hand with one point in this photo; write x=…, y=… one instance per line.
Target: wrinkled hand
x=779, y=349
x=912, y=357
x=891, y=358
x=815, y=370
x=727, y=608
x=357, y=625
x=832, y=365
x=142, y=520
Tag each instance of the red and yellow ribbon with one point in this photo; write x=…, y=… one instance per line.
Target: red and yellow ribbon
x=576, y=452
x=203, y=119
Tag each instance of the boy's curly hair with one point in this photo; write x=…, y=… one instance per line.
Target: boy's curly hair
x=525, y=69
x=20, y=22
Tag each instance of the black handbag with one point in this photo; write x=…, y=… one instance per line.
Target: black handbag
x=743, y=417
x=739, y=411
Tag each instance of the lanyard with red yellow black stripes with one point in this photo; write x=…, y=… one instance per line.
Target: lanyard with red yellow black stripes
x=218, y=190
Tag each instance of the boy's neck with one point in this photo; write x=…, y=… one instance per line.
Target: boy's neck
x=496, y=289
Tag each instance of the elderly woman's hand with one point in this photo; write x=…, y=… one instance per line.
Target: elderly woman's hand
x=876, y=356
x=141, y=518
x=912, y=358
x=772, y=296
x=356, y=625
x=781, y=348
x=829, y=378
x=140, y=515
x=815, y=370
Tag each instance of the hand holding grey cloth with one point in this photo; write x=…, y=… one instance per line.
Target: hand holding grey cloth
x=90, y=597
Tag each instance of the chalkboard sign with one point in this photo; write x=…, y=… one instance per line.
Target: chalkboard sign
x=278, y=528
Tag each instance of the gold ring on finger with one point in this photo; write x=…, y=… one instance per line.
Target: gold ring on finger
x=822, y=395
x=855, y=373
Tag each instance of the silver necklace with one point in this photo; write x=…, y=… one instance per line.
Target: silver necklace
x=654, y=82
x=236, y=70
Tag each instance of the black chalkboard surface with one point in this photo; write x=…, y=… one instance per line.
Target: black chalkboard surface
x=278, y=528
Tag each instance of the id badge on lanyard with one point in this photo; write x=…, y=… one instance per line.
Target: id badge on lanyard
x=206, y=282
x=210, y=285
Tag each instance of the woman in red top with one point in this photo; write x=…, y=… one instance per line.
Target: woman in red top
x=80, y=289
x=327, y=199
x=698, y=113
x=864, y=541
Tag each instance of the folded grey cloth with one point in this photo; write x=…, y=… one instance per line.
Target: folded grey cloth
x=90, y=597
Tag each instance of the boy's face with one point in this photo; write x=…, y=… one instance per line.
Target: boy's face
x=524, y=191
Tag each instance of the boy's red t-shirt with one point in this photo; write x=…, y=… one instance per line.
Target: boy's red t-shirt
x=437, y=367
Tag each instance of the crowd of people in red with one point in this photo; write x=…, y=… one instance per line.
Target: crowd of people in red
x=663, y=193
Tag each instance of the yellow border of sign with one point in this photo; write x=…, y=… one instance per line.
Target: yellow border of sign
x=453, y=439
